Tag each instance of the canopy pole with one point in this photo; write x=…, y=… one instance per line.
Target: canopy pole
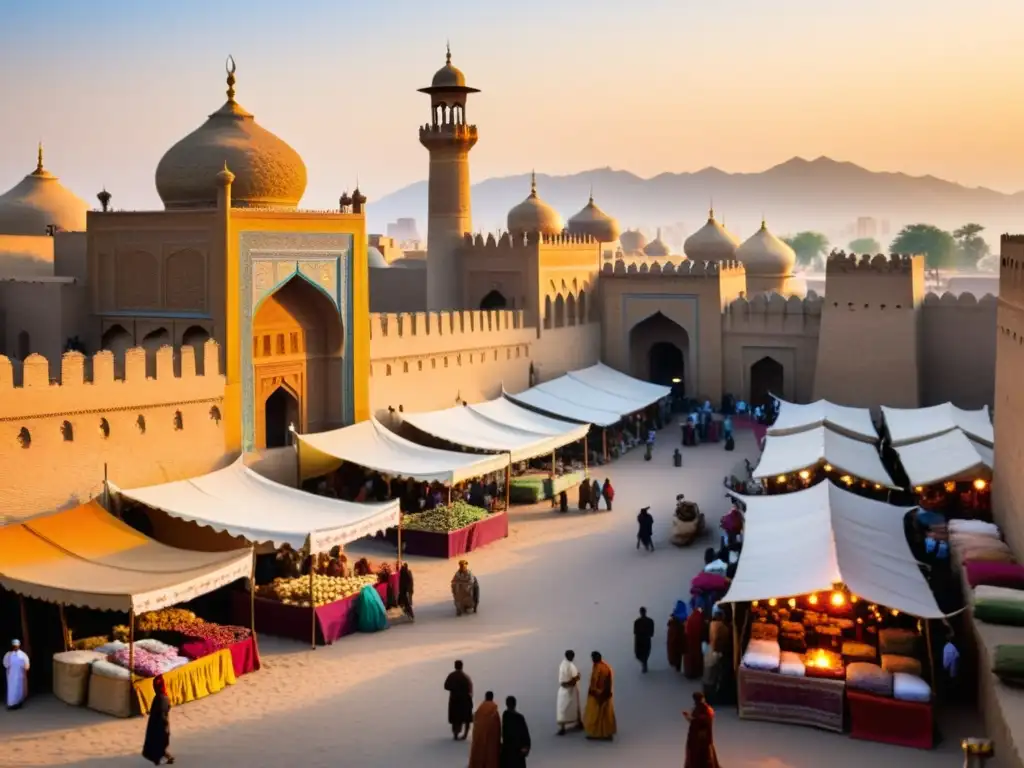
x=735, y=637
x=252, y=605
x=298, y=462
x=931, y=651
x=312, y=602
x=106, y=489
x=604, y=443
x=23, y=615
x=586, y=450
x=131, y=645
x=64, y=627
x=508, y=485
x=449, y=495
x=400, y=516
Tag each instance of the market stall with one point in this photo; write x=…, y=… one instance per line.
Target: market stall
x=87, y=558
x=607, y=379
x=798, y=459
x=834, y=594
x=911, y=425
x=238, y=501
x=852, y=422
x=950, y=456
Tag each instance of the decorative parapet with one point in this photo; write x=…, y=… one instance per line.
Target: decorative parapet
x=506, y=241
x=965, y=300
x=425, y=333
x=686, y=268
x=775, y=304
x=840, y=261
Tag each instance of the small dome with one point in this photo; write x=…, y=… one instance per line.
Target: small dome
x=38, y=201
x=712, y=242
x=268, y=172
x=594, y=222
x=657, y=247
x=534, y=215
x=375, y=259
x=448, y=79
x=765, y=254
x=632, y=240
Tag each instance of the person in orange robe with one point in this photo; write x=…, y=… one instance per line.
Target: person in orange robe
x=485, y=748
x=693, y=661
x=599, y=717
x=700, y=739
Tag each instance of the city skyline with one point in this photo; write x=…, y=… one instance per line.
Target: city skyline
x=108, y=90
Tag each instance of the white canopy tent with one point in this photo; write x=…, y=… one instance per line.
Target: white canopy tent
x=566, y=409
x=908, y=425
x=370, y=444
x=806, y=542
x=785, y=454
x=504, y=411
x=949, y=456
x=462, y=425
x=240, y=502
x=608, y=379
x=854, y=422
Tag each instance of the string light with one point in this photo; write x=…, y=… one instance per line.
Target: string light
x=895, y=612
x=847, y=479
x=792, y=602
x=754, y=604
x=780, y=479
x=979, y=484
x=854, y=598
x=838, y=599
x=813, y=599
x=804, y=475
x=918, y=489
x=772, y=602
x=827, y=467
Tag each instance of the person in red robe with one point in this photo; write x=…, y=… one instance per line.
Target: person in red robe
x=700, y=739
x=676, y=642
x=693, y=661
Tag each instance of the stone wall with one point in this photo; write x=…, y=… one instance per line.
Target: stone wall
x=1008, y=495
x=958, y=349
x=398, y=289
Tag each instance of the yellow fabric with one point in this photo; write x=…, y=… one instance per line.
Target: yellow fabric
x=599, y=717
x=196, y=680
x=88, y=530
x=314, y=462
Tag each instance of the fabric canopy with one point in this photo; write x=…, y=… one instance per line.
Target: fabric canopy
x=86, y=557
x=784, y=454
x=464, y=426
x=908, y=425
x=949, y=456
x=370, y=444
x=854, y=422
x=505, y=411
x=566, y=409
x=805, y=542
x=608, y=379
x=242, y=503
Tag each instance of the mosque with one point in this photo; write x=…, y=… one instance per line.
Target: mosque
x=154, y=345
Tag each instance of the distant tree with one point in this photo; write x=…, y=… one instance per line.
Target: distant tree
x=865, y=245
x=808, y=246
x=971, y=247
x=937, y=245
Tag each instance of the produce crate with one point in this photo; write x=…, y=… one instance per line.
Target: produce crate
x=531, y=488
x=456, y=543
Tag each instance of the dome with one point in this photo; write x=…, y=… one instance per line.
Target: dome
x=534, y=215
x=448, y=79
x=765, y=254
x=268, y=172
x=712, y=242
x=38, y=201
x=632, y=240
x=657, y=247
x=594, y=222
x=375, y=259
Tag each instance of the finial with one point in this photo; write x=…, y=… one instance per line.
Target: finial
x=763, y=224
x=104, y=198
x=229, y=66
x=39, y=159
x=658, y=235
x=533, y=183
x=591, y=195
x=711, y=209
x=448, y=52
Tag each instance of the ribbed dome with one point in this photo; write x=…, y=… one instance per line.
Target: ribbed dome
x=657, y=247
x=594, y=222
x=375, y=259
x=268, y=172
x=534, y=215
x=632, y=240
x=38, y=201
x=712, y=242
x=765, y=254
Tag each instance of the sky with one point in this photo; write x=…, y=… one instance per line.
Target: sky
x=650, y=86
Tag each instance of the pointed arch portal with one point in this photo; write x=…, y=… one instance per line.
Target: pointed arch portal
x=660, y=353
x=281, y=411
x=767, y=378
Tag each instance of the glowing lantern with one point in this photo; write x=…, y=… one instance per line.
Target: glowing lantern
x=950, y=486
x=754, y=604
x=813, y=599
x=819, y=658
x=895, y=612
x=772, y=602
x=792, y=602
x=979, y=484
x=847, y=479
x=780, y=479
x=854, y=598
x=827, y=467
x=877, y=486
x=918, y=489
x=838, y=599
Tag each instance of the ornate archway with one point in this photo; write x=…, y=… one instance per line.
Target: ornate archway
x=494, y=300
x=767, y=378
x=659, y=351
x=280, y=413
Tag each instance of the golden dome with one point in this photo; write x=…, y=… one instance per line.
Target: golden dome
x=534, y=215
x=765, y=254
x=594, y=222
x=448, y=78
x=38, y=201
x=712, y=242
x=268, y=172
x=657, y=247
x=632, y=240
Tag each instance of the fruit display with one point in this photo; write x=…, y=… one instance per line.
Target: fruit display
x=166, y=620
x=326, y=589
x=185, y=623
x=445, y=519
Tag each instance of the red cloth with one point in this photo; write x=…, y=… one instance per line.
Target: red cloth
x=700, y=740
x=693, y=661
x=245, y=657
x=676, y=643
x=878, y=718
x=708, y=583
x=732, y=522
x=492, y=528
x=608, y=492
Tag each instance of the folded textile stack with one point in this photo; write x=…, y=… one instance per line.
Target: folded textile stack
x=999, y=605
x=148, y=663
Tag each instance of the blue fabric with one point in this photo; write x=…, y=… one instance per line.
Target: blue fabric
x=930, y=545
x=373, y=616
x=928, y=518
x=943, y=552
x=682, y=611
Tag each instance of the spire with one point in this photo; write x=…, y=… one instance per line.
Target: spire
x=448, y=52
x=39, y=159
x=229, y=66
x=591, y=202
x=658, y=235
x=764, y=224
x=711, y=209
x=533, y=183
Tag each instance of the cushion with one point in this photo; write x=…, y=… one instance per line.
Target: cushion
x=763, y=655
x=862, y=676
x=853, y=651
x=1008, y=662
x=791, y=664
x=902, y=642
x=994, y=574
x=829, y=630
x=961, y=540
x=104, y=668
x=893, y=662
x=910, y=688
x=999, y=610
x=998, y=593
x=155, y=646
x=987, y=555
x=112, y=647
x=792, y=628
x=974, y=526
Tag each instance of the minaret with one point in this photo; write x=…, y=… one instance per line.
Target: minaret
x=448, y=138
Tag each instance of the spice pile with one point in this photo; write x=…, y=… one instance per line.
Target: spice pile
x=444, y=519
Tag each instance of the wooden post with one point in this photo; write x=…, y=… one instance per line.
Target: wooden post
x=312, y=602
x=26, y=642
x=508, y=486
x=131, y=645
x=252, y=604
x=64, y=627
x=604, y=444
x=735, y=637
x=931, y=652
x=298, y=460
x=400, y=538
x=449, y=495
x=586, y=451
x=106, y=489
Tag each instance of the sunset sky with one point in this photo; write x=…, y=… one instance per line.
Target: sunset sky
x=921, y=86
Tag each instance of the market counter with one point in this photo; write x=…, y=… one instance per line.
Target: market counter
x=455, y=543
x=535, y=486
x=817, y=702
x=196, y=680
x=890, y=721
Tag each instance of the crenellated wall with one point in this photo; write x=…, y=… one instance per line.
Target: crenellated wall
x=59, y=427
x=1008, y=495
x=958, y=349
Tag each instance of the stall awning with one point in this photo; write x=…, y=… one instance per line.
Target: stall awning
x=854, y=422
x=785, y=454
x=464, y=426
x=242, y=503
x=608, y=379
x=805, y=542
x=505, y=411
x=949, y=456
x=908, y=425
x=372, y=445
x=86, y=557
x=566, y=409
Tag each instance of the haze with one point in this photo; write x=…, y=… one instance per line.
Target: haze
x=921, y=86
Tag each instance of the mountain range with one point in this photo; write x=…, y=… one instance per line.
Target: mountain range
x=824, y=195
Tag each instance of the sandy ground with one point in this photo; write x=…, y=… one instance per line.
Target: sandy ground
x=572, y=581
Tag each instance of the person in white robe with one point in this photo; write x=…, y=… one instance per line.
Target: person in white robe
x=16, y=666
x=569, y=713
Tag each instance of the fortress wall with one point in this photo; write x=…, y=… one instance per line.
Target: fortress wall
x=398, y=289
x=958, y=349
x=1008, y=495
x=560, y=350
x=79, y=417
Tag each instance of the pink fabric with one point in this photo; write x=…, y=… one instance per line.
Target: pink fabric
x=994, y=574
x=245, y=657
x=708, y=582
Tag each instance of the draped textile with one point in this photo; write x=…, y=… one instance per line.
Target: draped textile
x=485, y=748
x=599, y=718
x=568, y=709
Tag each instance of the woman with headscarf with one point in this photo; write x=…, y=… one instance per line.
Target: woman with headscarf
x=584, y=500
x=158, y=727
x=608, y=492
x=700, y=739
x=693, y=660
x=595, y=494
x=405, y=589
x=463, y=583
